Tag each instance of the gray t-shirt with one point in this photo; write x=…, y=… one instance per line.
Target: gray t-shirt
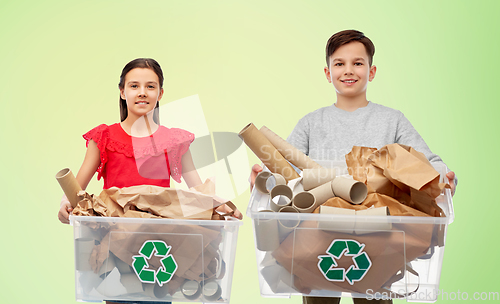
x=329, y=133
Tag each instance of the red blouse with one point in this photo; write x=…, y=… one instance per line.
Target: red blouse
x=130, y=161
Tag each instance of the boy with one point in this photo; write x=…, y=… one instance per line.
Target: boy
x=330, y=132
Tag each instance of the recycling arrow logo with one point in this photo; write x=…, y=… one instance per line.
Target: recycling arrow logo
x=328, y=266
x=168, y=264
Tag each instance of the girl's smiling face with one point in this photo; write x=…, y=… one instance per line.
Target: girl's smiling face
x=141, y=91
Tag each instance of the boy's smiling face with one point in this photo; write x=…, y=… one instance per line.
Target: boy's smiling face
x=350, y=70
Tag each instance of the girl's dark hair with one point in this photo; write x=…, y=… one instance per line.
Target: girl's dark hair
x=344, y=37
x=143, y=63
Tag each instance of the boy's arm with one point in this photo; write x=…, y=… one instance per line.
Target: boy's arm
x=407, y=135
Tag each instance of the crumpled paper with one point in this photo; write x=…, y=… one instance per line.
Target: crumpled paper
x=400, y=172
x=146, y=201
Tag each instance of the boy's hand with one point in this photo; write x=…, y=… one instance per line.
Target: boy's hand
x=451, y=178
x=255, y=170
x=64, y=210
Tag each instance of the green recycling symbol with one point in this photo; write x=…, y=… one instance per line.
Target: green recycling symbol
x=354, y=273
x=168, y=264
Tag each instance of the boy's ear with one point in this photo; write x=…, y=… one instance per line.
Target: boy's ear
x=328, y=75
x=373, y=71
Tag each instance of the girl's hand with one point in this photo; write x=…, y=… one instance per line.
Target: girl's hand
x=64, y=210
x=237, y=214
x=224, y=209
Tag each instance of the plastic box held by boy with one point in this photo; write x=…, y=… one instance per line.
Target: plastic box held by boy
x=133, y=259
x=337, y=255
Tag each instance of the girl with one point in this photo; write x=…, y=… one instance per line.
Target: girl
x=137, y=151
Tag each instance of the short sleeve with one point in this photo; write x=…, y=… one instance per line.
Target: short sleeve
x=100, y=135
x=179, y=142
x=299, y=137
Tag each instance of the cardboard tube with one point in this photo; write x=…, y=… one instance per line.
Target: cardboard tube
x=266, y=233
x=85, y=232
x=266, y=152
x=364, y=227
x=281, y=196
x=211, y=290
x=345, y=227
x=312, y=178
x=83, y=249
x=285, y=227
x=304, y=202
x=349, y=189
x=70, y=186
x=263, y=179
x=322, y=193
x=292, y=154
x=191, y=289
x=160, y=291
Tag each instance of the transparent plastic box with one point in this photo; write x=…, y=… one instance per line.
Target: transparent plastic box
x=134, y=259
x=401, y=258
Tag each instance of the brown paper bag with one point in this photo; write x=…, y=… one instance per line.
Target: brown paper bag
x=400, y=172
x=194, y=247
x=388, y=251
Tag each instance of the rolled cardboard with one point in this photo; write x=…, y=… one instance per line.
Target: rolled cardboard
x=312, y=178
x=345, y=227
x=212, y=290
x=281, y=196
x=70, y=186
x=292, y=154
x=191, y=289
x=285, y=226
x=85, y=232
x=160, y=291
x=131, y=283
x=365, y=227
x=296, y=185
x=83, y=249
x=304, y=202
x=264, y=180
x=349, y=189
x=266, y=152
x=322, y=193
x=266, y=233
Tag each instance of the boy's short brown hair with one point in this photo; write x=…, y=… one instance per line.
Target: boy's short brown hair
x=344, y=37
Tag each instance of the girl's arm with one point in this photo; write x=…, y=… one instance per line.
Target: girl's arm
x=192, y=179
x=189, y=172
x=89, y=166
x=87, y=170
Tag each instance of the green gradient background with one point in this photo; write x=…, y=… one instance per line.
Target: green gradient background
x=249, y=61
